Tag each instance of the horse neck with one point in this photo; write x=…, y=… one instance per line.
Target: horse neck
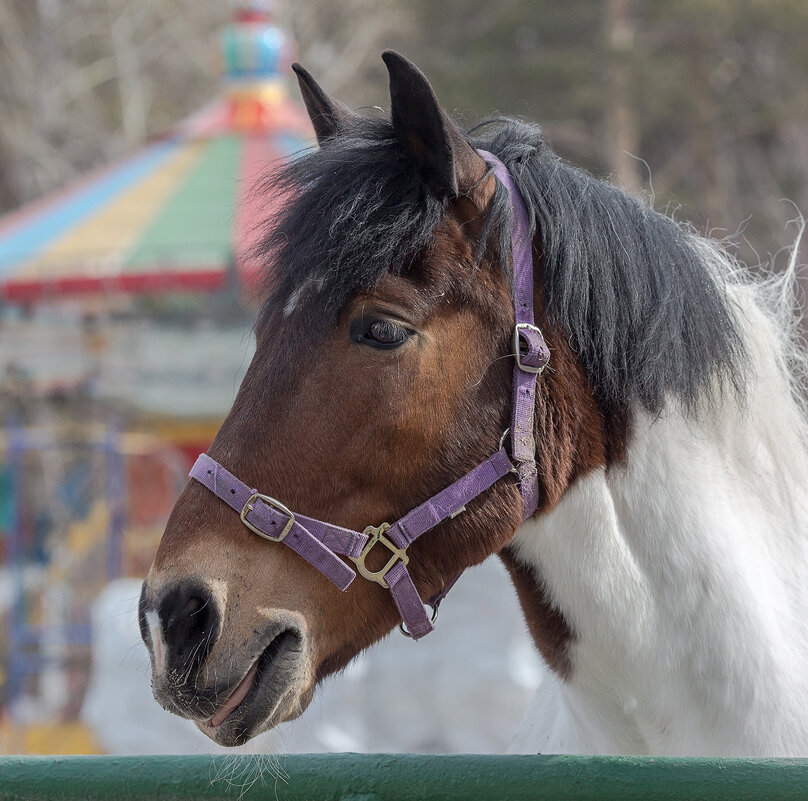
x=681, y=577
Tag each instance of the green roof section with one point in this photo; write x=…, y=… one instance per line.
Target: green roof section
x=194, y=226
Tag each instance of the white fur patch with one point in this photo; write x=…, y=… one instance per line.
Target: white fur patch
x=218, y=593
x=298, y=295
x=683, y=578
x=158, y=642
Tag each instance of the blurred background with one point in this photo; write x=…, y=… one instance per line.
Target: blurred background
x=130, y=135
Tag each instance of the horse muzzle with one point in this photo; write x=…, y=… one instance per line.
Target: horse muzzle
x=231, y=690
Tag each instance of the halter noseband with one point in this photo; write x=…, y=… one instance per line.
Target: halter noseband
x=319, y=543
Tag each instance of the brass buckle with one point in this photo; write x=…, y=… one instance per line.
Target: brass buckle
x=250, y=505
x=376, y=534
x=517, y=350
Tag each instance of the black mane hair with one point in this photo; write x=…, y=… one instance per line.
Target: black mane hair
x=647, y=316
x=357, y=209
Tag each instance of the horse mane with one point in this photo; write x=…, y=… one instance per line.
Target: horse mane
x=647, y=314
x=644, y=304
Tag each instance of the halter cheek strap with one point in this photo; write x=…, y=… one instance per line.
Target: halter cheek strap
x=530, y=349
x=321, y=543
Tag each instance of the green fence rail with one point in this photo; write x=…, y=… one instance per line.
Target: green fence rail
x=400, y=777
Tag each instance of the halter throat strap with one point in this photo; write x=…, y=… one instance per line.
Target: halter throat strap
x=321, y=544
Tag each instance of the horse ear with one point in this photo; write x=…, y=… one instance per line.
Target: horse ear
x=448, y=164
x=329, y=117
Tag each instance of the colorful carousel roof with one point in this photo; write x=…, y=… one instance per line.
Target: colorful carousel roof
x=176, y=215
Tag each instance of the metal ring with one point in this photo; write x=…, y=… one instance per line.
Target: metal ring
x=517, y=346
x=502, y=443
x=403, y=629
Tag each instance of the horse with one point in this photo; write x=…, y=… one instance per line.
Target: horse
x=661, y=562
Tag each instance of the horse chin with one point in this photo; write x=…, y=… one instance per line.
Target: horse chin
x=276, y=688
x=240, y=728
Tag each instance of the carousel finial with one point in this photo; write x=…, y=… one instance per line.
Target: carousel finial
x=252, y=46
x=253, y=10
x=256, y=56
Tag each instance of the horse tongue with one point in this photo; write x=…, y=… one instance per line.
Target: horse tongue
x=234, y=700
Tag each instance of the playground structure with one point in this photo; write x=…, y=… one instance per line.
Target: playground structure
x=124, y=311
x=87, y=504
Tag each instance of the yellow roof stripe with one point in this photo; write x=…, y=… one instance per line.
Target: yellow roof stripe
x=99, y=246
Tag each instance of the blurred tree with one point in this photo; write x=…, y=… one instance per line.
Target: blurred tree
x=84, y=81
x=710, y=94
x=722, y=86
x=340, y=42
x=620, y=114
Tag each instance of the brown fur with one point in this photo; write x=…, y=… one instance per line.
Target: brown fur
x=356, y=437
x=550, y=631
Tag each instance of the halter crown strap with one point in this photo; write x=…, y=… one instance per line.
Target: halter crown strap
x=319, y=543
x=530, y=349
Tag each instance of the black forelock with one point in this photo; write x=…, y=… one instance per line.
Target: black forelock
x=357, y=209
x=642, y=310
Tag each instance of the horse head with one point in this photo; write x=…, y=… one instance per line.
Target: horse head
x=382, y=374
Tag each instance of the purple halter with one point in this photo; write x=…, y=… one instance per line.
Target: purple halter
x=321, y=543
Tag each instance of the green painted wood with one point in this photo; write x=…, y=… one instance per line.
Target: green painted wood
x=401, y=777
x=194, y=226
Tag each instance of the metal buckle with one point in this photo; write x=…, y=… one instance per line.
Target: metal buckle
x=403, y=629
x=250, y=505
x=376, y=534
x=517, y=350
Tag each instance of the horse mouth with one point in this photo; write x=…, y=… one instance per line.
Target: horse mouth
x=264, y=695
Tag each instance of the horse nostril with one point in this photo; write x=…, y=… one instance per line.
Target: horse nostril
x=191, y=619
x=193, y=606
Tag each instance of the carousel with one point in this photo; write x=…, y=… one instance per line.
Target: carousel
x=124, y=321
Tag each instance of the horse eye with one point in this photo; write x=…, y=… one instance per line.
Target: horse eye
x=384, y=334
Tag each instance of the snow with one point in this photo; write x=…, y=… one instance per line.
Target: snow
x=461, y=689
